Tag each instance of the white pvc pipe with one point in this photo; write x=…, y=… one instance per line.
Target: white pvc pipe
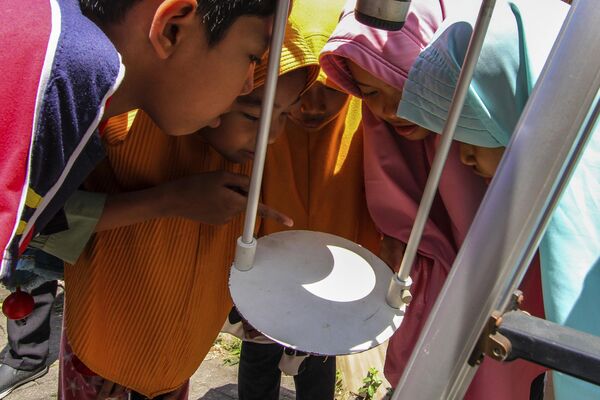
x=400, y=281
x=244, y=257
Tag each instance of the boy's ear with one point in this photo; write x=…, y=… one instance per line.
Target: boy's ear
x=169, y=19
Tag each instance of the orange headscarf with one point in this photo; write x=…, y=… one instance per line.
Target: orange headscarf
x=146, y=301
x=316, y=177
x=295, y=54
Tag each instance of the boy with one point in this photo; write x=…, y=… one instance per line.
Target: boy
x=188, y=51
x=146, y=301
x=259, y=374
x=72, y=66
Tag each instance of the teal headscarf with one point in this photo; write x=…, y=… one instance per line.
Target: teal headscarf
x=520, y=37
x=570, y=261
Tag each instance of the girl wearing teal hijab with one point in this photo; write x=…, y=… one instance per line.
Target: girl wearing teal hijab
x=516, y=47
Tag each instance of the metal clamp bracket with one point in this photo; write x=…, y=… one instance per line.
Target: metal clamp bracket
x=491, y=343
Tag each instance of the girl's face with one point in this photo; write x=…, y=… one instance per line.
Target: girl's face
x=383, y=99
x=318, y=106
x=483, y=160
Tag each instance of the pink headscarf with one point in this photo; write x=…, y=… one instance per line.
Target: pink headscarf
x=396, y=169
x=386, y=54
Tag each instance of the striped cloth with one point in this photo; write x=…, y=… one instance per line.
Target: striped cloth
x=147, y=301
x=59, y=69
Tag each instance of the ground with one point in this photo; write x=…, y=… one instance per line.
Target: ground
x=216, y=379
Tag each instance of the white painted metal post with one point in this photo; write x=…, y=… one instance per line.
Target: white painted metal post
x=398, y=292
x=246, y=244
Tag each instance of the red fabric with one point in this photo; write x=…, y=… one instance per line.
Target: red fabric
x=427, y=283
x=26, y=241
x=395, y=174
x=77, y=382
x=23, y=47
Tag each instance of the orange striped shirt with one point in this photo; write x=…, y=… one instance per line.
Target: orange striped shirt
x=145, y=302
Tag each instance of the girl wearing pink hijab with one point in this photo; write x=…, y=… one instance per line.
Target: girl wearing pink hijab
x=374, y=64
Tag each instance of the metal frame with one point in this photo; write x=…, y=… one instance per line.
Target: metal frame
x=554, y=346
x=548, y=140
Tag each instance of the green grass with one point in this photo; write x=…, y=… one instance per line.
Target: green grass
x=340, y=388
x=230, y=347
x=370, y=385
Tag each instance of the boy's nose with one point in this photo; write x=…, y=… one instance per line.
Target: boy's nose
x=249, y=82
x=467, y=156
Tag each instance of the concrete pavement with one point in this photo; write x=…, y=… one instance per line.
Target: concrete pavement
x=212, y=381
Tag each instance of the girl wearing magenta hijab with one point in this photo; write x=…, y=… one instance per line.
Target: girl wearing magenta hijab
x=373, y=65
x=517, y=45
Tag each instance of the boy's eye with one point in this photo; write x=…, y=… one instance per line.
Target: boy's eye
x=250, y=117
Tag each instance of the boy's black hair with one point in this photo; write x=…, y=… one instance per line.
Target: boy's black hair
x=217, y=15
x=106, y=11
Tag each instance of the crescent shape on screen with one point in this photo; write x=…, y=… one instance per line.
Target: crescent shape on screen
x=351, y=278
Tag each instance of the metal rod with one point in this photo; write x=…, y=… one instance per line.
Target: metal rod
x=504, y=231
x=458, y=100
x=552, y=345
x=281, y=16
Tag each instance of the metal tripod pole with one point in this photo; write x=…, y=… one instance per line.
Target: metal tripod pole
x=246, y=244
x=551, y=132
x=398, y=292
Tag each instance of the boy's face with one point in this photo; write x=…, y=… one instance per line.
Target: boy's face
x=235, y=138
x=194, y=84
x=383, y=99
x=318, y=106
x=483, y=160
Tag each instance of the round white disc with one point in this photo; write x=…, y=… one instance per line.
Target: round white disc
x=316, y=293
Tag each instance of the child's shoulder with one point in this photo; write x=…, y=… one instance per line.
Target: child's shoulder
x=83, y=50
x=54, y=41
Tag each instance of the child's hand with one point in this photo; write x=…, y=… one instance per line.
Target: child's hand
x=213, y=198
x=392, y=252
